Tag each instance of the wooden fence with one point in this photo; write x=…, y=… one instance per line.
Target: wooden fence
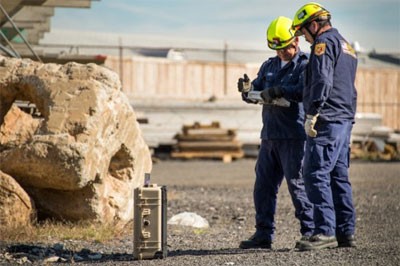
x=378, y=89
x=379, y=92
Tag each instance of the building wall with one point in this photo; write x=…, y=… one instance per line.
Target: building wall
x=379, y=92
x=143, y=78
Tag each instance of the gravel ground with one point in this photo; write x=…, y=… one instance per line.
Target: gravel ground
x=222, y=193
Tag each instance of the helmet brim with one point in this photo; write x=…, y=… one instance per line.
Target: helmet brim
x=277, y=46
x=298, y=33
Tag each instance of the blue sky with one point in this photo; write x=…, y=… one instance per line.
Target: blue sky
x=374, y=24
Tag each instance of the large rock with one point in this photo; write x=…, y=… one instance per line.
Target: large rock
x=87, y=155
x=16, y=207
x=17, y=128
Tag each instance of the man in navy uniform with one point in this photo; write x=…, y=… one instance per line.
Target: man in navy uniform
x=279, y=83
x=329, y=99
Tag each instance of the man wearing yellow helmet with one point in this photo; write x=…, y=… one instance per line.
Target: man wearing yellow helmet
x=282, y=136
x=329, y=100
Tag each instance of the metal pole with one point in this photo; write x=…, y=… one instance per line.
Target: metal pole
x=16, y=54
x=19, y=32
x=121, y=63
x=225, y=69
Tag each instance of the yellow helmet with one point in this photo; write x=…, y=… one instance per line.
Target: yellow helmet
x=307, y=13
x=280, y=33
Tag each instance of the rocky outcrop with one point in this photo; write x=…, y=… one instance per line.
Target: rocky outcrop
x=16, y=207
x=83, y=155
x=17, y=128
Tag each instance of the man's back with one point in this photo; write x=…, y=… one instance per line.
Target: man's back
x=330, y=77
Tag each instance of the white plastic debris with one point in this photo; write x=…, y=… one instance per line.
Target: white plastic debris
x=189, y=219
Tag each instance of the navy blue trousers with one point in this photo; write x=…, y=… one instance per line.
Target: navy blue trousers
x=278, y=159
x=326, y=177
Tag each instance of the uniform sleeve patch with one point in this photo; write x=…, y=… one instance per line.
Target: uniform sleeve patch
x=348, y=49
x=319, y=48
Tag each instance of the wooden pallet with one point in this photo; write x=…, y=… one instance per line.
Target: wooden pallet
x=207, y=141
x=227, y=146
x=225, y=157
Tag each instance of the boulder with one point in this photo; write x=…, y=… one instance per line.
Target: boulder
x=16, y=207
x=87, y=154
x=17, y=128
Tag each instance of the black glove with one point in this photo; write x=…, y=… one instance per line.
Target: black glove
x=247, y=100
x=271, y=93
x=276, y=92
x=244, y=84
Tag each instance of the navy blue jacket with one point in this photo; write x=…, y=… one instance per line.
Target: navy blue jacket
x=283, y=122
x=330, y=76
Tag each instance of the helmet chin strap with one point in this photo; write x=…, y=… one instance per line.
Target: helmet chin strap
x=312, y=35
x=320, y=26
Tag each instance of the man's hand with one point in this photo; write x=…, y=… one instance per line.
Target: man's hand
x=276, y=92
x=271, y=93
x=246, y=99
x=309, y=125
x=244, y=84
x=265, y=96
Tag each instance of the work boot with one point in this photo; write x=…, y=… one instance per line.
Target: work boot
x=346, y=241
x=302, y=239
x=256, y=241
x=317, y=242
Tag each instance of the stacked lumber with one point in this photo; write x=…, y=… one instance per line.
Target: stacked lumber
x=373, y=141
x=207, y=141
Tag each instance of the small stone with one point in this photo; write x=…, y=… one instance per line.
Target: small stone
x=77, y=257
x=241, y=218
x=23, y=260
x=95, y=256
x=51, y=259
x=58, y=246
x=85, y=251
